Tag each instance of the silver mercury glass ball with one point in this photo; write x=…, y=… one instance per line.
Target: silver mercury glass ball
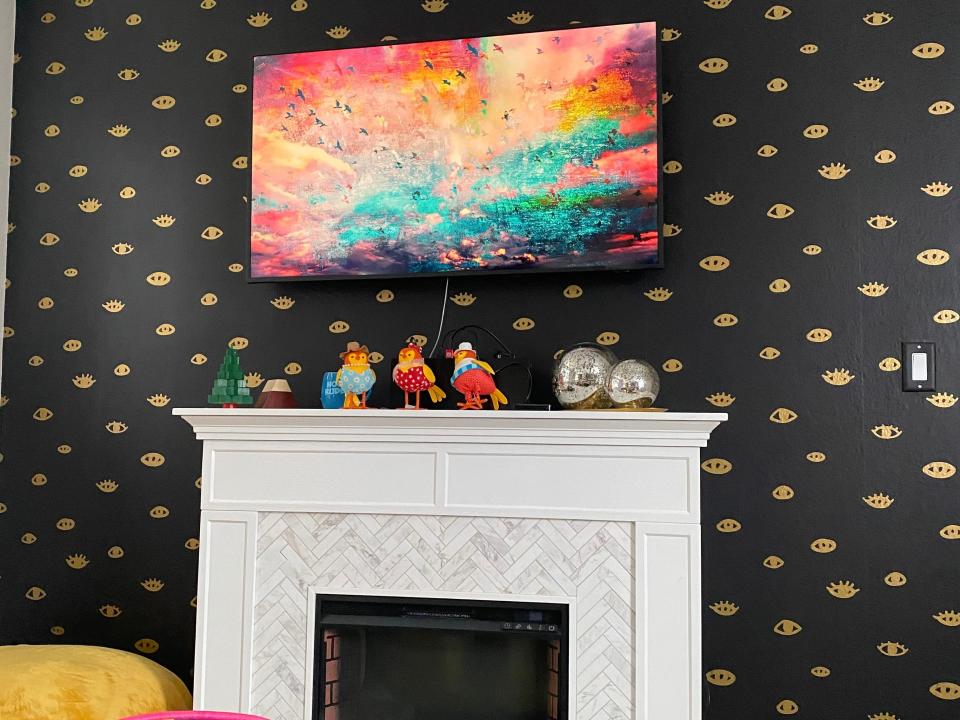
x=579, y=377
x=633, y=384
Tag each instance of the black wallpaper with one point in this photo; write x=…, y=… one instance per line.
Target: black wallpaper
x=785, y=307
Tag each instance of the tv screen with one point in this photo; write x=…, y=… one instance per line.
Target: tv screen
x=527, y=152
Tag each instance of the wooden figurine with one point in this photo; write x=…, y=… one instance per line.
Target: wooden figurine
x=355, y=377
x=412, y=375
x=473, y=378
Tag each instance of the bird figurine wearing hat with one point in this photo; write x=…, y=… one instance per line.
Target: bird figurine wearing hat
x=473, y=378
x=355, y=377
x=412, y=375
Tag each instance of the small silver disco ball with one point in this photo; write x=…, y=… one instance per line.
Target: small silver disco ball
x=633, y=384
x=580, y=375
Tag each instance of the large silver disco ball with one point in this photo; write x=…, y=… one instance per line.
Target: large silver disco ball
x=633, y=384
x=580, y=375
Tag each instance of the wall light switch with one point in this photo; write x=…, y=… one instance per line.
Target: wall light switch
x=919, y=366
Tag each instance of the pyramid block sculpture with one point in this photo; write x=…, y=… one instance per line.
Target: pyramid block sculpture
x=230, y=389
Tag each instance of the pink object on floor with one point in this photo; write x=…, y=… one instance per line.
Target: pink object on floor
x=195, y=715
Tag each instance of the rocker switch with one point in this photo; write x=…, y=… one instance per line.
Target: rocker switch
x=919, y=366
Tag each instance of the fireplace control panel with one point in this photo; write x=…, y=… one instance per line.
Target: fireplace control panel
x=531, y=627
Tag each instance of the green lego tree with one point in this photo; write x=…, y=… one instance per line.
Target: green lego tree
x=230, y=389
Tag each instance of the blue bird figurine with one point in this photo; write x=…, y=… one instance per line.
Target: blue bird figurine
x=355, y=377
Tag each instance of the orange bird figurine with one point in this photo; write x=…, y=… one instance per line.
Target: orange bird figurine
x=412, y=375
x=474, y=379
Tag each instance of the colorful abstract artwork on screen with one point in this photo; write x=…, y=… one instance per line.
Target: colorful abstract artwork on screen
x=535, y=151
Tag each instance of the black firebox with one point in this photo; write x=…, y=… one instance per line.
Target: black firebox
x=394, y=658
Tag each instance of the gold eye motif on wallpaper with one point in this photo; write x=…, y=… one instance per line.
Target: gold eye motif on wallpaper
x=820, y=671
x=235, y=267
x=670, y=34
x=41, y=187
x=198, y=359
x=838, y=377
x=77, y=562
x=876, y=19
x=259, y=20
x=724, y=120
x=55, y=68
x=780, y=211
x=717, y=4
x=823, y=545
x=90, y=205
x=714, y=65
x=64, y=449
x=110, y=611
x=164, y=102
x=159, y=512
x=253, y=380
x=208, y=4
x=203, y=179
x=834, y=171
x=115, y=427
x=147, y=646
x=51, y=131
x=720, y=399
x=721, y=677
x=216, y=55
x=787, y=627
x=159, y=400
x=213, y=120
x=211, y=232
x=869, y=84
x=239, y=343
x=881, y=222
x=772, y=562
x=434, y=6
x=941, y=107
x=84, y=381
x=158, y=278
x=292, y=368
x=119, y=130
x=717, y=466
x=164, y=221
x=766, y=151
x=714, y=263
x=892, y=649
x=339, y=326
x=658, y=294
x=70, y=272
x=729, y=525
x=128, y=74
x=169, y=151
x=42, y=414
x=783, y=416
x=724, y=608
x=152, y=585
x=113, y=306
x=780, y=285
x=878, y=501
x=889, y=364
x=283, y=302
x=665, y=97
x=670, y=230
x=672, y=167
x=937, y=189
x=96, y=34
x=465, y=299
x=209, y=299
x=873, y=289
x=35, y=593
x=769, y=353
x=945, y=691
x=933, y=256
x=35, y=361
x=168, y=46
x=192, y=544
x=942, y=400
x=122, y=248
x=809, y=49
x=240, y=162
x=725, y=320
x=72, y=345
x=815, y=132
x=787, y=707
x=66, y=524
x=298, y=5
x=47, y=18
x=28, y=538
x=45, y=303
x=939, y=469
x=115, y=552
x=895, y=579
x=719, y=198
x=107, y=486
x=885, y=157
x=946, y=317
x=375, y=358
x=122, y=370
x=949, y=618
x=777, y=84
x=929, y=50
x=950, y=532
x=152, y=459
x=783, y=492
x=777, y=12
x=127, y=192
x=886, y=432
x=38, y=480
x=77, y=171
x=670, y=366
x=816, y=456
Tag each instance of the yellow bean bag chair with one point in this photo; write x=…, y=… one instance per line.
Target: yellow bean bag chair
x=81, y=682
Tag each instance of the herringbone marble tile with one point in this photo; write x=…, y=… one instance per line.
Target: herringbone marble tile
x=591, y=561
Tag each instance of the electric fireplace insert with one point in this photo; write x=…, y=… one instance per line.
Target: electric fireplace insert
x=395, y=658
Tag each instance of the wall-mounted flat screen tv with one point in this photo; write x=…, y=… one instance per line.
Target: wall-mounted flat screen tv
x=526, y=152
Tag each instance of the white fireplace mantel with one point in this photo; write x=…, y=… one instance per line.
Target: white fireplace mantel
x=289, y=495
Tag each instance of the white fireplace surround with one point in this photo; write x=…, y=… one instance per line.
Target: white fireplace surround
x=596, y=510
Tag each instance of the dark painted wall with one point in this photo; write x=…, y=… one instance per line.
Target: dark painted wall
x=74, y=452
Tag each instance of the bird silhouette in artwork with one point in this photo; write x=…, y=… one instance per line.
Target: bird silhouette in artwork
x=473, y=51
x=347, y=109
x=473, y=379
x=301, y=95
x=413, y=375
x=363, y=131
x=338, y=146
x=428, y=64
x=318, y=121
x=461, y=74
x=355, y=377
x=497, y=48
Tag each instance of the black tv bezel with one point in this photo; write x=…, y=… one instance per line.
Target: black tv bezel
x=471, y=273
